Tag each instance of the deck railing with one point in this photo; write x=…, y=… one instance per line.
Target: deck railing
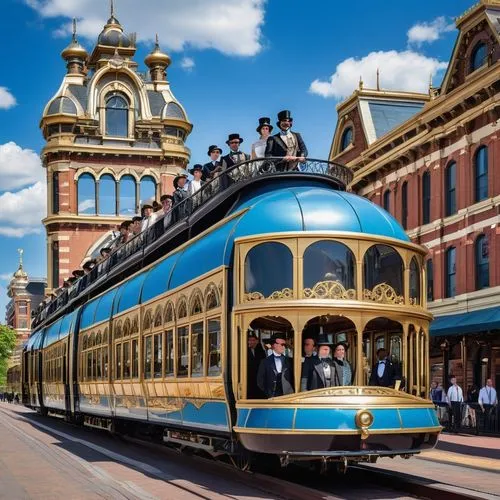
x=240, y=173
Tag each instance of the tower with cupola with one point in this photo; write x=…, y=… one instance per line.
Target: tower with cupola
x=115, y=138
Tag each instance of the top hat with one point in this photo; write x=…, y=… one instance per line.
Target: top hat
x=277, y=336
x=176, y=179
x=232, y=137
x=89, y=265
x=214, y=147
x=264, y=121
x=78, y=273
x=196, y=167
x=284, y=115
x=323, y=340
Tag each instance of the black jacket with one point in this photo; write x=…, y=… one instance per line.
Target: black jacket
x=253, y=364
x=180, y=208
x=388, y=377
x=209, y=167
x=276, y=146
x=268, y=375
x=316, y=378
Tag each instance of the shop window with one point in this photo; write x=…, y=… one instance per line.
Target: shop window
x=268, y=270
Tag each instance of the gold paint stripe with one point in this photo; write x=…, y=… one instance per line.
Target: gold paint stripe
x=419, y=430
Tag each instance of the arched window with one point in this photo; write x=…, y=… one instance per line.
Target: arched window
x=383, y=265
x=387, y=200
x=414, y=281
x=328, y=262
x=430, y=280
x=451, y=188
x=481, y=173
x=482, y=262
x=426, y=197
x=404, y=205
x=107, y=195
x=86, y=194
x=451, y=270
x=127, y=195
x=268, y=269
x=148, y=190
x=116, y=115
x=478, y=56
x=346, y=138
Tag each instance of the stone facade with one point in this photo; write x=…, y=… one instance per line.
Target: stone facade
x=448, y=144
x=114, y=140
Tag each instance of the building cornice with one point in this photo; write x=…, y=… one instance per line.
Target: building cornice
x=91, y=220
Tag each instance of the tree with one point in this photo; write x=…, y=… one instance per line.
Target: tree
x=7, y=344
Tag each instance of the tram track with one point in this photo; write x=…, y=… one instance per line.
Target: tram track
x=294, y=483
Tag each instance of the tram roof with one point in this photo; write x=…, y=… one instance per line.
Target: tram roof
x=292, y=206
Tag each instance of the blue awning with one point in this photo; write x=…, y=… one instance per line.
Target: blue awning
x=469, y=322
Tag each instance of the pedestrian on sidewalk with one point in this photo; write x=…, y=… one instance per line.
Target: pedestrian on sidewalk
x=488, y=402
x=455, y=398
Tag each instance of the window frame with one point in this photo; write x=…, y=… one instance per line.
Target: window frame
x=450, y=276
x=481, y=269
x=478, y=177
x=426, y=197
x=451, y=191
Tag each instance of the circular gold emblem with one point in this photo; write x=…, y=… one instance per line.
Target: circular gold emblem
x=364, y=419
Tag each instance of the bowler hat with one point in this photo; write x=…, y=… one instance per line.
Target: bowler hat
x=233, y=137
x=284, y=115
x=263, y=122
x=176, y=179
x=214, y=147
x=196, y=167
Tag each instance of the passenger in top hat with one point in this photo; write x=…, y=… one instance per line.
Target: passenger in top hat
x=323, y=372
x=286, y=144
x=180, y=194
x=233, y=157
x=264, y=130
x=196, y=182
x=214, y=165
x=255, y=356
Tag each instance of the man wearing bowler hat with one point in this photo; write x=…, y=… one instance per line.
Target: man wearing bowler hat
x=214, y=165
x=180, y=194
x=232, y=158
x=286, y=144
x=196, y=182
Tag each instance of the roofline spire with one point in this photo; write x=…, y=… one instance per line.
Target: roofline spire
x=20, y=251
x=378, y=79
x=112, y=8
x=74, y=29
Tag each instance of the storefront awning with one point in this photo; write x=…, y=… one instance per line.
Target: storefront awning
x=469, y=322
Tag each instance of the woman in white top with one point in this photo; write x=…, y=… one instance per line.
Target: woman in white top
x=196, y=182
x=264, y=129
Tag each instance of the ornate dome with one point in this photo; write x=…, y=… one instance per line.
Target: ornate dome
x=62, y=105
x=74, y=49
x=112, y=34
x=157, y=57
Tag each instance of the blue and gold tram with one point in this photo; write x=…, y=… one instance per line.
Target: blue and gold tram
x=286, y=252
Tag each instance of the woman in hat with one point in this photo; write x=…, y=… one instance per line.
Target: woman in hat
x=264, y=129
x=323, y=372
x=339, y=350
x=196, y=182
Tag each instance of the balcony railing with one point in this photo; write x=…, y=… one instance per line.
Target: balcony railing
x=226, y=181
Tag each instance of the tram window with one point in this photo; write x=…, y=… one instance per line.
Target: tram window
x=89, y=365
x=414, y=281
x=268, y=269
x=126, y=360
x=197, y=349
x=105, y=362
x=118, y=365
x=135, y=358
x=182, y=351
x=382, y=264
x=169, y=354
x=379, y=343
x=147, y=357
x=158, y=342
x=99, y=364
x=214, y=347
x=328, y=261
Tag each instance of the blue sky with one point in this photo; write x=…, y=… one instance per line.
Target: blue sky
x=233, y=61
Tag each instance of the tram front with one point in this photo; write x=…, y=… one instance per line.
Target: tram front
x=332, y=265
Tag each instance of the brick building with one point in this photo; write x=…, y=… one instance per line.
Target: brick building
x=433, y=161
x=25, y=295
x=114, y=140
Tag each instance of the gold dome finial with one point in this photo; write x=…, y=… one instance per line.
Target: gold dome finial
x=157, y=61
x=74, y=51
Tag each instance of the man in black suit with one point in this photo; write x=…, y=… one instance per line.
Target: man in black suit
x=286, y=144
x=323, y=372
x=214, y=165
x=275, y=376
x=232, y=158
x=383, y=371
x=255, y=355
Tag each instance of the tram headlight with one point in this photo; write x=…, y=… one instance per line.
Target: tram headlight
x=364, y=419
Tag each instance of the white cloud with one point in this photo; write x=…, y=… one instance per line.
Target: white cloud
x=6, y=277
x=22, y=211
x=233, y=28
x=407, y=70
x=429, y=31
x=187, y=63
x=18, y=167
x=7, y=100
